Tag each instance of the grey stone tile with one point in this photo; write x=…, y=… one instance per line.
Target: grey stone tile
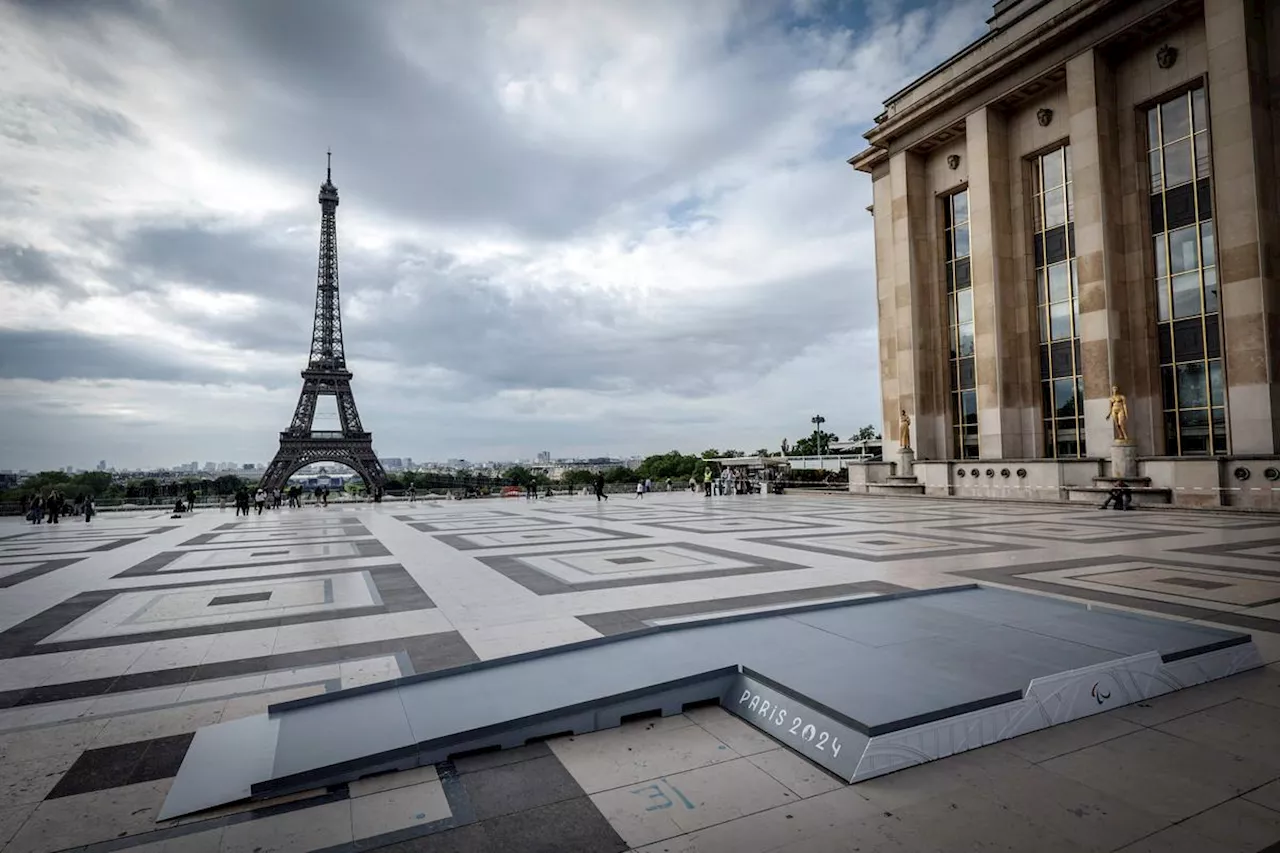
x=1162, y=774
x=1238, y=825
x=464, y=839
x=498, y=758
x=571, y=825
x=1268, y=795
x=1069, y=737
x=518, y=787
x=1080, y=813
x=1239, y=727
x=965, y=819
x=1176, y=839
x=11, y=820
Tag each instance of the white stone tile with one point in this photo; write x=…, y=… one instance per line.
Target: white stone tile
x=398, y=808
x=775, y=828
x=638, y=751
x=354, y=673
x=162, y=722
x=221, y=688
x=791, y=769
x=87, y=818
x=209, y=841
x=327, y=825
x=674, y=804
x=742, y=738
x=11, y=820
x=247, y=706
x=69, y=739
x=29, y=781
x=388, y=781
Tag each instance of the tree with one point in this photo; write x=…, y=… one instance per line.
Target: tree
x=620, y=474
x=807, y=446
x=711, y=454
x=867, y=433
x=733, y=454
x=227, y=484
x=578, y=477
x=518, y=475
x=763, y=451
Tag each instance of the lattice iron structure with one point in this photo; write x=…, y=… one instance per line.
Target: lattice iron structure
x=326, y=373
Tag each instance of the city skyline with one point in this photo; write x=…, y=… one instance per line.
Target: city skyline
x=631, y=228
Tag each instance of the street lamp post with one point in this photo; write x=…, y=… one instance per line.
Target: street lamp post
x=818, y=421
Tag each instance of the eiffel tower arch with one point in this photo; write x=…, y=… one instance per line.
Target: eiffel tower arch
x=326, y=374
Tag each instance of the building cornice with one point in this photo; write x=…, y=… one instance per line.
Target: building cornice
x=1061, y=31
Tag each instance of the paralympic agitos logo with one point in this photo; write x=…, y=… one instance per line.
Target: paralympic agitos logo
x=1099, y=695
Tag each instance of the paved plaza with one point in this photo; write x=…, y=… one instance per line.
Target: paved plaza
x=120, y=638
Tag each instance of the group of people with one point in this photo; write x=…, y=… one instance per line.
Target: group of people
x=38, y=509
x=263, y=499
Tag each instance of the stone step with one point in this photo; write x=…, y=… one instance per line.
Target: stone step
x=1144, y=482
x=898, y=478
x=895, y=488
x=1142, y=495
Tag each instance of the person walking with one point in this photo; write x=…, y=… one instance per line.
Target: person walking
x=599, y=484
x=260, y=500
x=640, y=489
x=88, y=508
x=191, y=500
x=54, y=505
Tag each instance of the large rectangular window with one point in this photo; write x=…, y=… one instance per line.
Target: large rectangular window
x=964, y=386
x=1058, y=304
x=1189, y=333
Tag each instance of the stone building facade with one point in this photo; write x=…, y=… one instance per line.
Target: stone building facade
x=1086, y=197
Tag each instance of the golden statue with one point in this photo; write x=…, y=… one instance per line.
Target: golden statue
x=904, y=430
x=1119, y=414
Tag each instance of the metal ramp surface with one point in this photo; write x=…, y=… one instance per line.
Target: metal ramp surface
x=861, y=687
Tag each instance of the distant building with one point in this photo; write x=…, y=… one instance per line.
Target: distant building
x=544, y=457
x=102, y=465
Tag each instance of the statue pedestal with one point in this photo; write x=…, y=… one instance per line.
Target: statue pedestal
x=906, y=459
x=1124, y=459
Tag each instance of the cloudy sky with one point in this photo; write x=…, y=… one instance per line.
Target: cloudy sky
x=587, y=227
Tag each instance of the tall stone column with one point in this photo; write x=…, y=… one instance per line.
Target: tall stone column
x=997, y=289
x=1095, y=174
x=917, y=336
x=1245, y=217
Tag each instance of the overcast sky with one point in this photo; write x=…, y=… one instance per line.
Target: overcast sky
x=586, y=227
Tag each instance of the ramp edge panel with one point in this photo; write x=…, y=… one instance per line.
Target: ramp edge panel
x=668, y=697
x=1052, y=700
x=595, y=642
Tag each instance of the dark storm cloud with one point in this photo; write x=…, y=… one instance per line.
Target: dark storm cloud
x=29, y=267
x=297, y=76
x=224, y=259
x=50, y=356
x=591, y=340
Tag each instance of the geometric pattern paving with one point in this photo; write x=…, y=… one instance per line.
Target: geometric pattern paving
x=121, y=637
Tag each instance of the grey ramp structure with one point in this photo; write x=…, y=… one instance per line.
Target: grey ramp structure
x=861, y=687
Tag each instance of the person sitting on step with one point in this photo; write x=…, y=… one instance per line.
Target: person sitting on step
x=1120, y=497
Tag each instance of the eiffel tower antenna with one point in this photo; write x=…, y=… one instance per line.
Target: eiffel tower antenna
x=326, y=373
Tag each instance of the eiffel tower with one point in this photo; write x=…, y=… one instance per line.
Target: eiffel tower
x=326, y=373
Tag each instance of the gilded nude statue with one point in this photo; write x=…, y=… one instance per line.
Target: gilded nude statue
x=904, y=430
x=1119, y=414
